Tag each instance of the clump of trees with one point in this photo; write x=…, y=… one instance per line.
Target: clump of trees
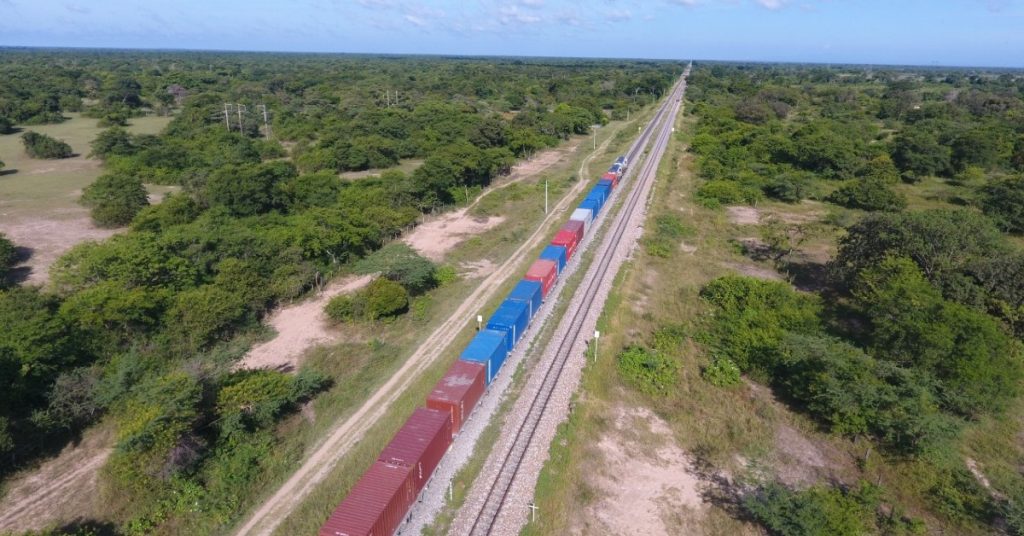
x=8, y=256
x=115, y=199
x=382, y=298
x=42, y=146
x=868, y=194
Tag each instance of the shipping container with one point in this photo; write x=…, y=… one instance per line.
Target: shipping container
x=512, y=317
x=420, y=444
x=611, y=177
x=607, y=184
x=458, y=391
x=569, y=237
x=575, y=227
x=529, y=291
x=376, y=505
x=593, y=205
x=584, y=215
x=557, y=254
x=545, y=272
x=489, y=346
x=596, y=196
x=604, y=187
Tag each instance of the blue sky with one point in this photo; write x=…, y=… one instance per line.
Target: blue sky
x=925, y=32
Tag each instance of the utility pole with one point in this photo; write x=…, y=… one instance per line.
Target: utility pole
x=227, y=115
x=241, y=110
x=266, y=122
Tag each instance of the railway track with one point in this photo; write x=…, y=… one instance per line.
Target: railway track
x=498, y=491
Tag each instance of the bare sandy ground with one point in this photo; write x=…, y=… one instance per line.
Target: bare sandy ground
x=60, y=490
x=47, y=239
x=435, y=237
x=741, y=215
x=646, y=483
x=300, y=327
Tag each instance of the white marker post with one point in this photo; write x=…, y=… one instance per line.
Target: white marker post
x=597, y=337
x=479, y=322
x=533, y=509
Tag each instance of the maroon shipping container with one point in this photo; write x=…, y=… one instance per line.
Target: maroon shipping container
x=614, y=177
x=376, y=505
x=420, y=444
x=459, y=390
x=545, y=272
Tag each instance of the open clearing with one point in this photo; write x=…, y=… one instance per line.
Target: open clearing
x=39, y=207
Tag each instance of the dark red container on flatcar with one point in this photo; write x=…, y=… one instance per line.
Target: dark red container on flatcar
x=377, y=504
x=458, y=391
x=614, y=177
x=569, y=237
x=420, y=444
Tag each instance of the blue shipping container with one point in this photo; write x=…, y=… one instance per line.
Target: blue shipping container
x=512, y=317
x=488, y=347
x=604, y=187
x=528, y=291
x=599, y=196
x=555, y=253
x=593, y=204
x=606, y=183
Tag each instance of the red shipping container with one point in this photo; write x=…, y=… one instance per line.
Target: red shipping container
x=614, y=177
x=576, y=227
x=545, y=272
x=459, y=390
x=377, y=504
x=420, y=444
x=567, y=240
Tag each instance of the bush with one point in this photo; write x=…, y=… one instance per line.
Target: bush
x=43, y=146
x=5, y=125
x=722, y=372
x=789, y=187
x=752, y=316
x=650, y=371
x=818, y=510
x=385, y=298
x=445, y=275
x=727, y=192
x=8, y=256
x=115, y=199
x=400, y=263
x=868, y=194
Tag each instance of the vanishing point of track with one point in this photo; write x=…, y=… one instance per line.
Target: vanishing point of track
x=499, y=489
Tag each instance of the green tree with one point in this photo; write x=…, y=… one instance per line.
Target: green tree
x=818, y=510
x=385, y=298
x=248, y=190
x=8, y=257
x=43, y=146
x=204, y=315
x=114, y=199
x=918, y=151
x=114, y=141
x=1003, y=201
x=868, y=194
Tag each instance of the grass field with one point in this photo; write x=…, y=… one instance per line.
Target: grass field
x=39, y=207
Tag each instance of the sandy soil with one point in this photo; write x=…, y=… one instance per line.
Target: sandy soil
x=434, y=237
x=741, y=215
x=647, y=484
x=60, y=490
x=476, y=269
x=299, y=327
x=753, y=270
x=49, y=239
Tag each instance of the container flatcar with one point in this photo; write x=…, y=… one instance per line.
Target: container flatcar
x=458, y=391
x=555, y=253
x=544, y=272
x=376, y=505
x=512, y=317
x=420, y=444
x=490, y=347
x=529, y=291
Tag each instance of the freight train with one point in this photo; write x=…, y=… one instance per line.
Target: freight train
x=380, y=500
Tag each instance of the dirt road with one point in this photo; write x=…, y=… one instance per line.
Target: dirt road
x=266, y=518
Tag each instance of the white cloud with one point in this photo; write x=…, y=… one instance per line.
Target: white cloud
x=771, y=4
x=415, y=20
x=618, y=15
x=513, y=15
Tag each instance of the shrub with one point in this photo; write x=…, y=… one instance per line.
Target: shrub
x=115, y=199
x=728, y=192
x=722, y=372
x=43, y=146
x=385, y=298
x=818, y=510
x=5, y=125
x=650, y=371
x=789, y=187
x=752, y=316
x=343, y=308
x=400, y=263
x=445, y=275
x=868, y=194
x=8, y=256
